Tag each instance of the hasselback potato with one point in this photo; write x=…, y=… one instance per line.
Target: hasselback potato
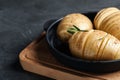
x=77, y=19
x=94, y=45
x=102, y=14
x=110, y=23
x=86, y=43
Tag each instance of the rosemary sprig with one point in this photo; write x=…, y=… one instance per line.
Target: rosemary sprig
x=103, y=37
x=74, y=29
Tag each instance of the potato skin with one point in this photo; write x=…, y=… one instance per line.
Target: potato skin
x=77, y=19
x=112, y=24
x=102, y=14
x=94, y=45
x=108, y=20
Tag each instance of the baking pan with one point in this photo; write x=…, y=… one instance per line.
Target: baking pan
x=61, y=51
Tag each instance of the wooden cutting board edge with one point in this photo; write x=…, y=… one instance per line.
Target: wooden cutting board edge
x=35, y=66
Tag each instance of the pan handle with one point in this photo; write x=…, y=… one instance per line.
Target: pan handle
x=45, y=27
x=48, y=23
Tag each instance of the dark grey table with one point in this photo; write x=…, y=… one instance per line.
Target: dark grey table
x=21, y=21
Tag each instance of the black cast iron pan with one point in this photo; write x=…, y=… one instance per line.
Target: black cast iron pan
x=61, y=51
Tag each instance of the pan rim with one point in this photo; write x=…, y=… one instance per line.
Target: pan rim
x=69, y=57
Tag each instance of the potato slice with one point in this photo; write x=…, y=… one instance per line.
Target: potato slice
x=92, y=44
x=106, y=24
x=102, y=14
x=109, y=24
x=77, y=42
x=115, y=25
x=102, y=46
x=112, y=24
x=111, y=49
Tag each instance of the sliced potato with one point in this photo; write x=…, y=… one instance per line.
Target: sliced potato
x=109, y=20
x=112, y=24
x=111, y=49
x=79, y=39
x=94, y=45
x=102, y=14
x=104, y=42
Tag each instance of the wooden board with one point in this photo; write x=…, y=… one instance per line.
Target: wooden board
x=36, y=58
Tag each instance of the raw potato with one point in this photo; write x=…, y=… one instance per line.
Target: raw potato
x=77, y=19
x=108, y=20
x=95, y=45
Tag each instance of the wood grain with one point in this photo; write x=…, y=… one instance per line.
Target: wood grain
x=36, y=58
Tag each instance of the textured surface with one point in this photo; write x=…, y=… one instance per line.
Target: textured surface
x=21, y=22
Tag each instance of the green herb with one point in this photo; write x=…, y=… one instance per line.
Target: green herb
x=103, y=37
x=74, y=29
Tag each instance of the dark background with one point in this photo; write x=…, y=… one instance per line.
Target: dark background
x=21, y=21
